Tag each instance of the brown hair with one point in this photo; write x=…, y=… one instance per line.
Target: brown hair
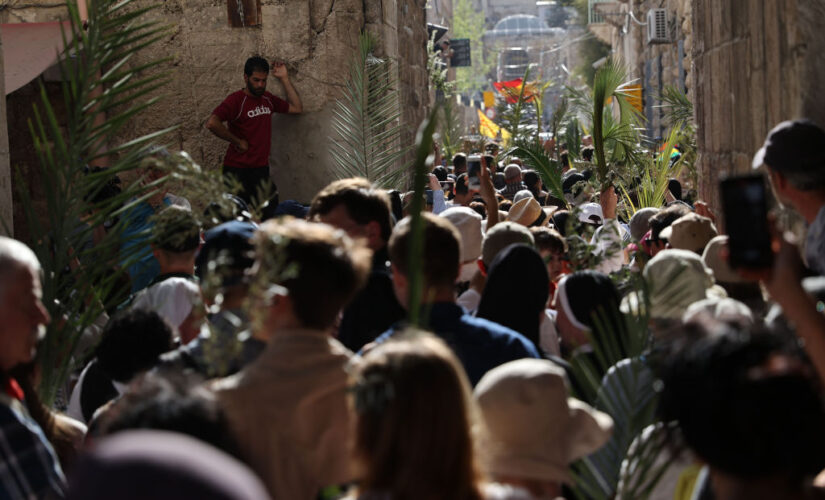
x=320, y=266
x=413, y=431
x=665, y=217
x=364, y=203
x=442, y=250
x=549, y=239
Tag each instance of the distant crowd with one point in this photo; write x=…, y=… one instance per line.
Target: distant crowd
x=280, y=359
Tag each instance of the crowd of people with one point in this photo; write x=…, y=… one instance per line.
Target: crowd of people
x=275, y=359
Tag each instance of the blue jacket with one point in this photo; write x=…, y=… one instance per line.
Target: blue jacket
x=478, y=343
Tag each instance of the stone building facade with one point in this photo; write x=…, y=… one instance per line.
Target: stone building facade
x=653, y=65
x=746, y=66
x=315, y=38
x=755, y=65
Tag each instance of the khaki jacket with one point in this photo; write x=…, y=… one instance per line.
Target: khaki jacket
x=289, y=414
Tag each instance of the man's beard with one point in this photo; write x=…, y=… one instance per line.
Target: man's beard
x=254, y=91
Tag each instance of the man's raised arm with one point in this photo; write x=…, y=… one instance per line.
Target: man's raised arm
x=279, y=71
x=216, y=126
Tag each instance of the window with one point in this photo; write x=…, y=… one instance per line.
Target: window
x=243, y=13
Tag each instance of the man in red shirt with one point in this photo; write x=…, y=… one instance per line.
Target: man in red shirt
x=248, y=128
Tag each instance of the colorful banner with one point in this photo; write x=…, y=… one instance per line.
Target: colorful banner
x=488, y=128
x=633, y=94
x=511, y=90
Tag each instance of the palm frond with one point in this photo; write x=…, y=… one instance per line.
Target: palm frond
x=79, y=282
x=366, y=120
x=677, y=107
x=415, y=261
x=620, y=138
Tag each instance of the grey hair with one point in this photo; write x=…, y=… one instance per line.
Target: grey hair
x=13, y=255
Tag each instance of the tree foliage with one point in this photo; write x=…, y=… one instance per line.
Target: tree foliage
x=469, y=23
x=99, y=77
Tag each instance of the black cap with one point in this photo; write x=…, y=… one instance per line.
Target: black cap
x=232, y=238
x=795, y=149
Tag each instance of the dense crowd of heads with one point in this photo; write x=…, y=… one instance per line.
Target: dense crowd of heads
x=275, y=359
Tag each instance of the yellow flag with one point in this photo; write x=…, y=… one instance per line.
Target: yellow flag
x=489, y=99
x=488, y=128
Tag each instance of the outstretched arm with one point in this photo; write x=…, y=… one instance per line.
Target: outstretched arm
x=279, y=71
x=216, y=126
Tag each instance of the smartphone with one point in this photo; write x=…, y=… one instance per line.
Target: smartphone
x=447, y=186
x=491, y=162
x=428, y=193
x=473, y=169
x=745, y=206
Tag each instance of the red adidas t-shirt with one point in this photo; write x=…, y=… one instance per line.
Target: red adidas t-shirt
x=249, y=118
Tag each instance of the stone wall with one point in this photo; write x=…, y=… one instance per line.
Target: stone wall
x=315, y=38
x=756, y=64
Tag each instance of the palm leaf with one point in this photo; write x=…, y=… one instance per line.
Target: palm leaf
x=366, y=121
x=619, y=138
x=415, y=262
x=79, y=282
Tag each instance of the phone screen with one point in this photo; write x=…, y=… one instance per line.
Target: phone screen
x=473, y=169
x=745, y=205
x=429, y=196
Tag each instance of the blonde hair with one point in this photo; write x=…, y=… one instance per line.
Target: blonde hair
x=415, y=414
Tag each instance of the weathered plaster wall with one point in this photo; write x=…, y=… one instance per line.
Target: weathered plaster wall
x=756, y=64
x=316, y=39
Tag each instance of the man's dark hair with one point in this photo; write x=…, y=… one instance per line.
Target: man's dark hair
x=328, y=268
x=532, y=180
x=675, y=188
x=587, y=153
x=548, y=239
x=747, y=403
x=460, y=163
x=255, y=64
x=480, y=208
x=364, y=203
x=131, y=343
x=665, y=218
x=440, y=173
x=441, y=252
x=461, y=186
x=170, y=400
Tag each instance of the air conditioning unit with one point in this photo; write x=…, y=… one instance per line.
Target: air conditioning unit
x=657, y=31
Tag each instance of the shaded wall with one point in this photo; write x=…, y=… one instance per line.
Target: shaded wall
x=316, y=39
x=755, y=65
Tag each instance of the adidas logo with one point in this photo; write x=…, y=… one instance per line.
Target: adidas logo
x=258, y=111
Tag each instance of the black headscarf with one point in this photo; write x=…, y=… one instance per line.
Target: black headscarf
x=517, y=290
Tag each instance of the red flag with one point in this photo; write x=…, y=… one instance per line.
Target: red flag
x=511, y=90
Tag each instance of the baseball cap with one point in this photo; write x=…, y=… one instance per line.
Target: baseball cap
x=228, y=245
x=591, y=213
x=794, y=148
x=639, y=222
x=689, y=232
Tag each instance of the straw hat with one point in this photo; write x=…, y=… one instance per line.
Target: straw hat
x=527, y=212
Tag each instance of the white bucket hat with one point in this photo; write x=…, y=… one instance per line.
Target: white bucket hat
x=532, y=428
